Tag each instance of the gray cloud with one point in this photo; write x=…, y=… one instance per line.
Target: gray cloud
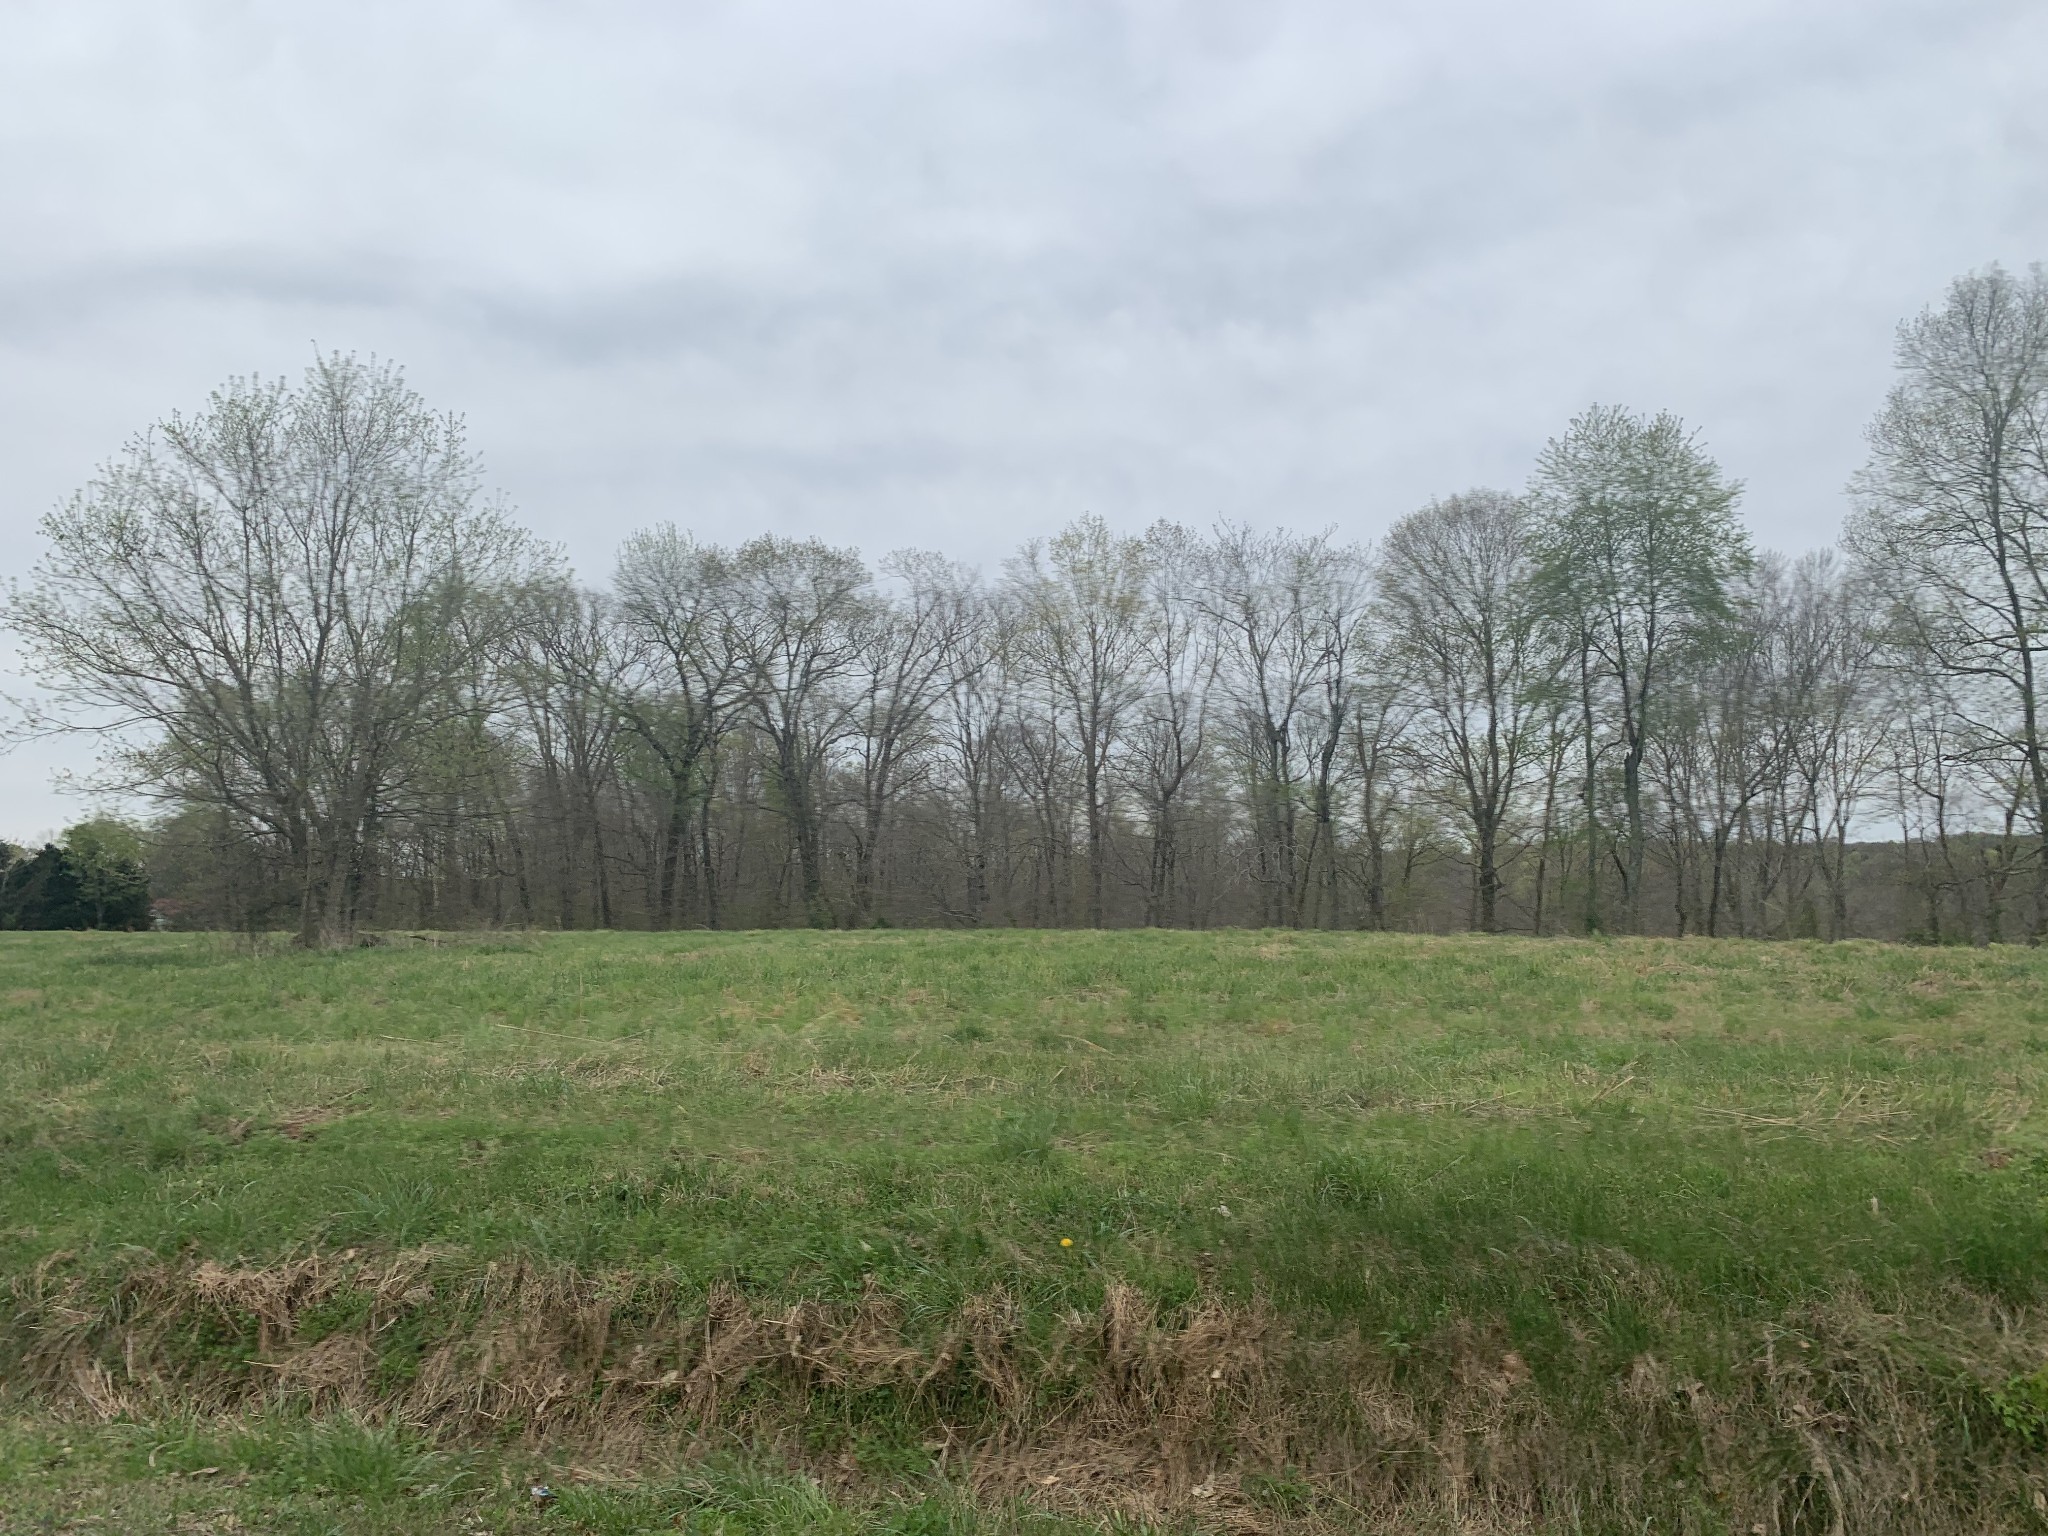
x=948, y=275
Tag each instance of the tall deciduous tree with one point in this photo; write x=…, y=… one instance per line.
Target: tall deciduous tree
x=568, y=671
x=1081, y=602
x=904, y=654
x=1180, y=658
x=1285, y=609
x=277, y=591
x=1637, y=548
x=681, y=682
x=1953, y=522
x=1458, y=602
x=805, y=609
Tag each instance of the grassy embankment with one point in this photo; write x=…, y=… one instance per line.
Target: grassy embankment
x=926, y=1232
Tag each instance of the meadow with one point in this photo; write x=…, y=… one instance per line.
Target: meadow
x=1021, y=1231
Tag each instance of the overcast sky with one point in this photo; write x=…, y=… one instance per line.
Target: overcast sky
x=951, y=273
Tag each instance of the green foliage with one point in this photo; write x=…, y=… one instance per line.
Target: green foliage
x=343, y=1477
x=93, y=879
x=1285, y=1492
x=2021, y=1405
x=345, y=1456
x=1639, y=537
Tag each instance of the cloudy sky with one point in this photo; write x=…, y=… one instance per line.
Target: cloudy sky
x=950, y=273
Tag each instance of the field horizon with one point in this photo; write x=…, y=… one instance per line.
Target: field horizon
x=1035, y=1230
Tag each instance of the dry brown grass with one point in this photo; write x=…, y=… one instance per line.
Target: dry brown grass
x=1833, y=1423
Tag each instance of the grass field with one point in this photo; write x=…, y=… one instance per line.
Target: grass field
x=1022, y=1232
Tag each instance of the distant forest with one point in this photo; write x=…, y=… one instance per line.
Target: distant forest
x=364, y=698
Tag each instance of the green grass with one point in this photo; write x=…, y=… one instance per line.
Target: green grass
x=1713, y=1166
x=343, y=1477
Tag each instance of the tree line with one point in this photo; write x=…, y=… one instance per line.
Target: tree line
x=362, y=696
x=92, y=877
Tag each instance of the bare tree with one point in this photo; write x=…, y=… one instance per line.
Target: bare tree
x=568, y=665
x=1937, y=792
x=277, y=590
x=1388, y=825
x=1953, y=523
x=1835, y=736
x=680, y=685
x=1284, y=608
x=1180, y=659
x=974, y=718
x=1334, y=618
x=806, y=607
x=1458, y=601
x=1081, y=600
x=904, y=654
x=1728, y=718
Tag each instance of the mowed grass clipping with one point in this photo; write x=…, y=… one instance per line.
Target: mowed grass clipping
x=1596, y=1174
